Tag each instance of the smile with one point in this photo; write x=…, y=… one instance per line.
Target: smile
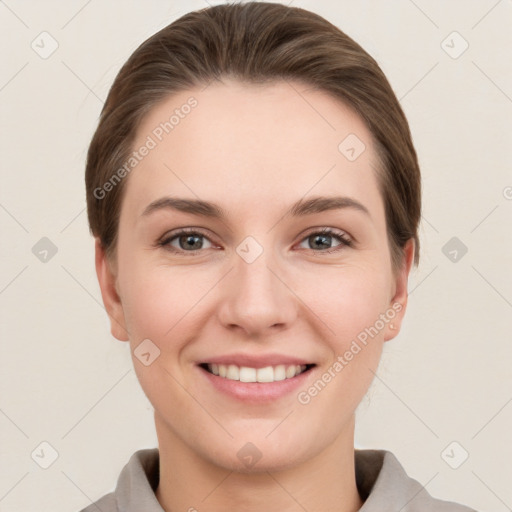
x=247, y=374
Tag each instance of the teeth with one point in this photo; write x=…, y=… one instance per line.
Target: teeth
x=291, y=371
x=280, y=372
x=246, y=374
x=263, y=374
x=233, y=372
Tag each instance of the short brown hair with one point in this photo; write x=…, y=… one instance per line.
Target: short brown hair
x=255, y=42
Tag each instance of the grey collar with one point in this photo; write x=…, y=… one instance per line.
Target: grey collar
x=382, y=483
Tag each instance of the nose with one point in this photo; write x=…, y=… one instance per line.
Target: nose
x=257, y=298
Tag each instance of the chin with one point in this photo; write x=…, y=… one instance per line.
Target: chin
x=272, y=462
x=257, y=453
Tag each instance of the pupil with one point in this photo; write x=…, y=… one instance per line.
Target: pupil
x=322, y=237
x=190, y=241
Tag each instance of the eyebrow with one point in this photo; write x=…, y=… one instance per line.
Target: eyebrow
x=299, y=209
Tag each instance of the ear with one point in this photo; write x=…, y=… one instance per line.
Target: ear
x=399, y=300
x=107, y=280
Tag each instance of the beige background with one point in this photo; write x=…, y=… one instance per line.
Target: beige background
x=65, y=381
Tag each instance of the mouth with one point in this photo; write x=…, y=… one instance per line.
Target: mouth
x=255, y=378
x=247, y=374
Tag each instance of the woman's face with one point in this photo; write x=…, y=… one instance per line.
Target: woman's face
x=256, y=286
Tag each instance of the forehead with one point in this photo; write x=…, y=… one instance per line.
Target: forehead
x=242, y=144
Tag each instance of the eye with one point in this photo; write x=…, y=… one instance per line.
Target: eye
x=190, y=240
x=324, y=238
x=187, y=240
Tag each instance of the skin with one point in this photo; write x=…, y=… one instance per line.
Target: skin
x=254, y=150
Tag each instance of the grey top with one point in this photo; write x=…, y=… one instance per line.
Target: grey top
x=381, y=481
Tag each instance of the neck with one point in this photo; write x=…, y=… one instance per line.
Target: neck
x=189, y=482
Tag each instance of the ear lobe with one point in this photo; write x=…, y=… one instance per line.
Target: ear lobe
x=399, y=300
x=111, y=300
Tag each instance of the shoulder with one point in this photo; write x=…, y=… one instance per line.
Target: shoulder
x=106, y=504
x=382, y=480
x=135, y=486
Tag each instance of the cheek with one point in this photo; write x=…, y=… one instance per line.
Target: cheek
x=159, y=300
x=350, y=308
x=347, y=299
x=163, y=303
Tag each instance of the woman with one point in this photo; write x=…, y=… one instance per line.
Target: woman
x=255, y=197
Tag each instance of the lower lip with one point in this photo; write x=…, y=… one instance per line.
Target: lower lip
x=256, y=392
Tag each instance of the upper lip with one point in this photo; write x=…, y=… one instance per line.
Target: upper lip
x=256, y=361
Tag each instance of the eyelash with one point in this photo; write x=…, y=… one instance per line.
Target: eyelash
x=339, y=235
